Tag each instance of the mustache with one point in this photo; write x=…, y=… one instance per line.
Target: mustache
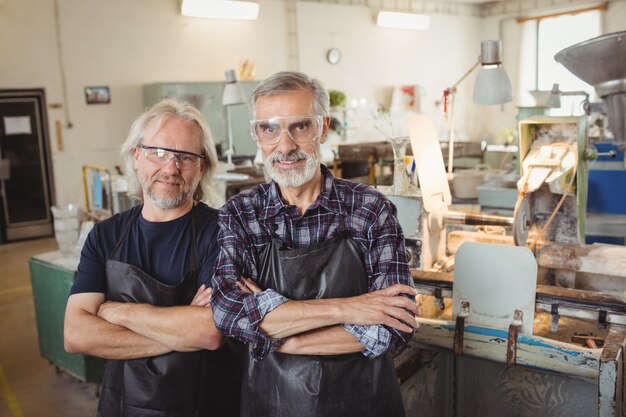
x=278, y=156
x=169, y=178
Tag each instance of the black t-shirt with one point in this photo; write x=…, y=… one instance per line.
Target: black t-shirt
x=160, y=249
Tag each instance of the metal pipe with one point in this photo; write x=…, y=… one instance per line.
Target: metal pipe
x=459, y=217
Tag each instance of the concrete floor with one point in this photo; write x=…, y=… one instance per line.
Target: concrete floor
x=29, y=385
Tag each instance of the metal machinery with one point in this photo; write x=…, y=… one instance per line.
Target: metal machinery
x=600, y=63
x=532, y=323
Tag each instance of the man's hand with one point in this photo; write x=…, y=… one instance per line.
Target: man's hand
x=202, y=297
x=247, y=285
x=111, y=311
x=388, y=307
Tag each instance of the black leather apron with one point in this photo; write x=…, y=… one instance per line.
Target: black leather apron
x=284, y=385
x=176, y=384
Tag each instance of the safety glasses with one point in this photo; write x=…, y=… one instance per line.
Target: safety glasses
x=184, y=160
x=301, y=129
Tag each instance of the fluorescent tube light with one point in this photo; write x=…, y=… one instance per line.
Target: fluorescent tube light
x=396, y=20
x=220, y=9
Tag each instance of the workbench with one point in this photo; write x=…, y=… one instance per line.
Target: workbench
x=481, y=371
x=52, y=275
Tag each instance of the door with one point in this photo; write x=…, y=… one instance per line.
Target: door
x=26, y=178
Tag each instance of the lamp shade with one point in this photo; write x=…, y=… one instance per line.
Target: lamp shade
x=233, y=94
x=492, y=86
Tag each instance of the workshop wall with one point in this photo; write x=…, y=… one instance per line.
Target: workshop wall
x=375, y=59
x=506, y=28
x=124, y=45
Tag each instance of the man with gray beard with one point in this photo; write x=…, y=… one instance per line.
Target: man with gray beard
x=141, y=296
x=312, y=272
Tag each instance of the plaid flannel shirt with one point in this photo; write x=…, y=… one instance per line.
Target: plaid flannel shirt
x=247, y=222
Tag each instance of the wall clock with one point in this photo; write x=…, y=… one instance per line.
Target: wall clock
x=333, y=56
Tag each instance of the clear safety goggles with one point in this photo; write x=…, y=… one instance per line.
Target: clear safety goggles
x=184, y=160
x=301, y=129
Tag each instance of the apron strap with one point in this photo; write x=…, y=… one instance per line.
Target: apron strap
x=125, y=231
x=193, y=266
x=272, y=229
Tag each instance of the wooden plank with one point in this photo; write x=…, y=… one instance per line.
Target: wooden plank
x=572, y=302
x=581, y=297
x=602, y=6
x=532, y=351
x=594, y=259
x=610, y=387
x=581, y=303
x=421, y=275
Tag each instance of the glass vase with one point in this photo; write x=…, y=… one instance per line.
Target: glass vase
x=400, y=184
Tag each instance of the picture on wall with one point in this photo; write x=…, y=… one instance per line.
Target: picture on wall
x=97, y=95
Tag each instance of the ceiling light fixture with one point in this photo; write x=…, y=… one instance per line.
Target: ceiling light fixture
x=397, y=20
x=220, y=9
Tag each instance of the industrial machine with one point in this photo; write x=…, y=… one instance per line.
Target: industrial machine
x=600, y=63
x=532, y=322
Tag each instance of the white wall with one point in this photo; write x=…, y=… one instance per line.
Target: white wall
x=125, y=44
x=615, y=17
x=121, y=44
x=375, y=59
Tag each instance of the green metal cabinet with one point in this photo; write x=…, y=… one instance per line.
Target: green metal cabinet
x=52, y=276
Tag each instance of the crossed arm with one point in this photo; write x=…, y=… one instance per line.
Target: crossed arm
x=115, y=330
x=312, y=327
x=371, y=323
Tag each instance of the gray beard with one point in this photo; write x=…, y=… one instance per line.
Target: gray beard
x=170, y=202
x=295, y=177
x=166, y=203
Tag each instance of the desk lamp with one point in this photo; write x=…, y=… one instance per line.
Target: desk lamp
x=492, y=86
x=233, y=95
